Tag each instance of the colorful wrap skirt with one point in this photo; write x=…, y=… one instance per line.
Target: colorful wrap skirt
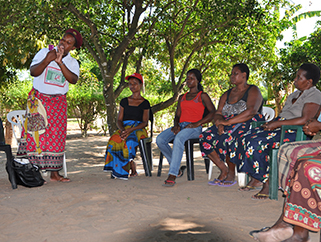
x=257, y=144
x=290, y=152
x=44, y=132
x=227, y=143
x=119, y=152
x=303, y=190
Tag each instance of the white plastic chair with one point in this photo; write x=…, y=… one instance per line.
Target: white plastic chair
x=268, y=113
x=17, y=119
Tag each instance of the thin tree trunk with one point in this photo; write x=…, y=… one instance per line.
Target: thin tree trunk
x=9, y=133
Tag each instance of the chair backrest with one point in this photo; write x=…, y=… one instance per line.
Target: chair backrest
x=268, y=113
x=16, y=118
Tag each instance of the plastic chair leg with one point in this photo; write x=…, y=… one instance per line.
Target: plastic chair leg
x=274, y=176
x=207, y=164
x=146, y=163
x=210, y=170
x=160, y=164
x=64, y=166
x=9, y=165
x=189, y=160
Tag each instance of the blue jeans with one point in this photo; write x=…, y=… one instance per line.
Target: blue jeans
x=174, y=156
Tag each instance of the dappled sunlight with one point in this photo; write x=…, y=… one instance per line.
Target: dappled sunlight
x=181, y=229
x=86, y=164
x=194, y=232
x=76, y=172
x=98, y=165
x=173, y=224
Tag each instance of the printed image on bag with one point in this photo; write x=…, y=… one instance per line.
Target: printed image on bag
x=36, y=119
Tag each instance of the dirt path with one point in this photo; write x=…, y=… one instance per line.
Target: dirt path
x=94, y=207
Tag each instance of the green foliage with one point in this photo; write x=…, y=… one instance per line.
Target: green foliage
x=86, y=102
x=14, y=96
x=160, y=39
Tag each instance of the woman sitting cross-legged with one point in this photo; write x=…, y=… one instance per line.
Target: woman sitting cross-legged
x=187, y=124
x=238, y=107
x=132, y=119
x=301, y=211
x=300, y=106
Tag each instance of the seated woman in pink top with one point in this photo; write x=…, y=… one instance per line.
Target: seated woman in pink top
x=187, y=124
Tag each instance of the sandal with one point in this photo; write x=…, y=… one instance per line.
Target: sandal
x=169, y=183
x=226, y=183
x=260, y=196
x=215, y=182
x=181, y=171
x=264, y=229
x=248, y=188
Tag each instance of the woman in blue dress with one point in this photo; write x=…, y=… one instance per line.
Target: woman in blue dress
x=238, y=107
x=301, y=106
x=132, y=119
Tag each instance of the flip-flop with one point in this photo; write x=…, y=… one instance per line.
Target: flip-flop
x=181, y=171
x=260, y=196
x=215, y=182
x=264, y=229
x=248, y=188
x=226, y=183
x=169, y=183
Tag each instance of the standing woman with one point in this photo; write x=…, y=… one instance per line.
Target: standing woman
x=132, y=119
x=187, y=124
x=238, y=107
x=44, y=135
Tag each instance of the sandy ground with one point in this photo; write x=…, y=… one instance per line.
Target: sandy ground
x=94, y=207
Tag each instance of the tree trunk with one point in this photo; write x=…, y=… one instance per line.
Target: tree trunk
x=111, y=110
x=8, y=135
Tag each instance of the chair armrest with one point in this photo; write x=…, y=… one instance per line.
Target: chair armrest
x=300, y=135
x=257, y=124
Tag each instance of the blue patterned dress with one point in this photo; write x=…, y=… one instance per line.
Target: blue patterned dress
x=228, y=143
x=258, y=143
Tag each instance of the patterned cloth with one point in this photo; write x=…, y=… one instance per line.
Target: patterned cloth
x=303, y=204
x=257, y=144
x=49, y=154
x=290, y=152
x=119, y=152
x=228, y=142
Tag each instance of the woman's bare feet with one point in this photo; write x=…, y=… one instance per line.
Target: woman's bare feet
x=252, y=185
x=133, y=168
x=300, y=235
x=224, y=174
x=277, y=233
x=54, y=176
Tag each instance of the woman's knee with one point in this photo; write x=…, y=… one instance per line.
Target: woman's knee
x=159, y=140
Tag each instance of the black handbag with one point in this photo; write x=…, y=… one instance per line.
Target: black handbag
x=27, y=175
